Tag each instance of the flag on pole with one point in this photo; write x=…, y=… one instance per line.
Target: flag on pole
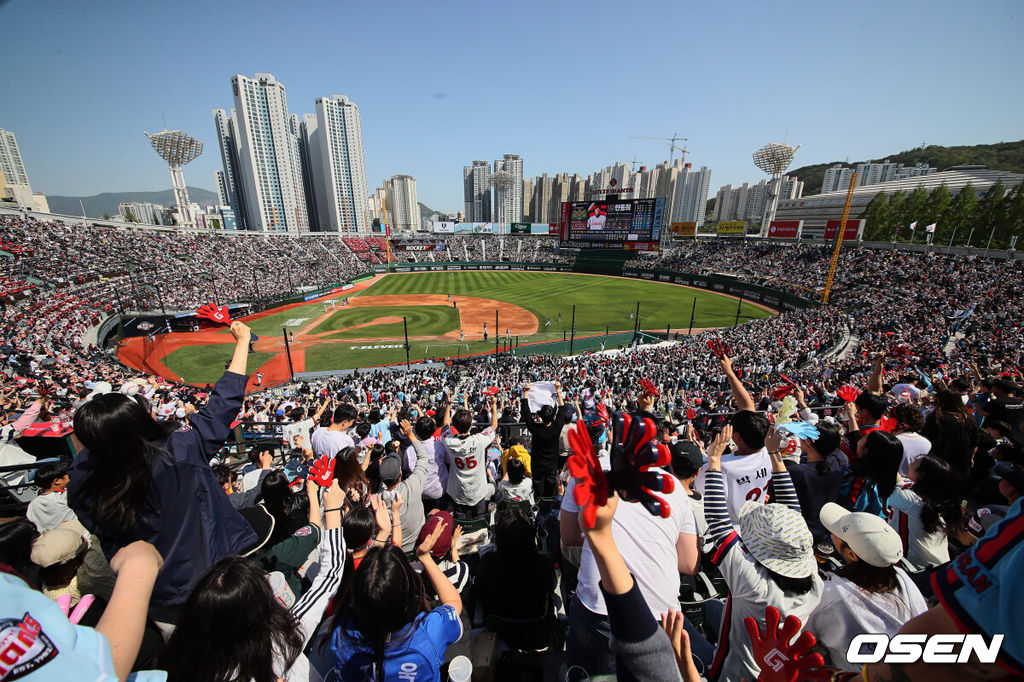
x=930, y=228
x=913, y=226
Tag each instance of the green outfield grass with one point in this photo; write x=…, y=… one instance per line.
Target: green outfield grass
x=206, y=364
x=602, y=303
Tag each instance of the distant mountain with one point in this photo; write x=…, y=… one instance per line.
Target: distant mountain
x=1004, y=156
x=426, y=211
x=98, y=204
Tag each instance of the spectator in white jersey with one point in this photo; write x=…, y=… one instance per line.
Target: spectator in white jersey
x=747, y=469
x=769, y=562
x=468, y=486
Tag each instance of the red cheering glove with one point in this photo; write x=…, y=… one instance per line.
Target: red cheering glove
x=648, y=387
x=779, y=660
x=591, y=489
x=718, y=349
x=848, y=393
x=691, y=413
x=211, y=312
x=322, y=471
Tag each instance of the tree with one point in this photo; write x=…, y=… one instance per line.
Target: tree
x=991, y=210
x=878, y=219
x=897, y=226
x=129, y=216
x=1014, y=202
x=938, y=203
x=914, y=209
x=961, y=215
x=106, y=216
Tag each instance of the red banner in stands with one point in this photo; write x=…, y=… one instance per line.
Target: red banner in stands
x=785, y=229
x=853, y=229
x=552, y=229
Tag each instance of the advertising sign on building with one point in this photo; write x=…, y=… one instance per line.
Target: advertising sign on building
x=854, y=229
x=785, y=229
x=732, y=228
x=684, y=229
x=444, y=227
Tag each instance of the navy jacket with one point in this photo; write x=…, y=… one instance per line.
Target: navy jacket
x=188, y=517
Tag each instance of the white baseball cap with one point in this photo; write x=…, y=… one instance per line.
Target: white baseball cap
x=870, y=537
x=778, y=538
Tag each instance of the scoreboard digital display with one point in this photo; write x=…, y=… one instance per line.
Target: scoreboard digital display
x=632, y=224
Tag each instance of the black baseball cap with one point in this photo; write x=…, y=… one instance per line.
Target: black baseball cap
x=390, y=468
x=686, y=458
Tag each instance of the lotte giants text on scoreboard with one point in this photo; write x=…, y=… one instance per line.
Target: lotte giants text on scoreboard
x=631, y=224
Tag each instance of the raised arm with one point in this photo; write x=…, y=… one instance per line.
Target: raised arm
x=716, y=510
x=782, y=484
x=240, y=357
x=739, y=391
x=446, y=592
x=558, y=392
x=875, y=380
x=494, y=412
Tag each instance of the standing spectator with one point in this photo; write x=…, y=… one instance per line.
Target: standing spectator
x=817, y=481
x=138, y=479
x=545, y=432
x=437, y=462
x=409, y=490
x=468, y=486
x=909, y=424
x=871, y=479
x=953, y=432
x=328, y=441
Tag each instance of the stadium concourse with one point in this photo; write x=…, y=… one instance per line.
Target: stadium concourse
x=856, y=466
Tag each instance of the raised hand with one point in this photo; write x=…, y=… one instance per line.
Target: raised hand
x=211, y=312
x=322, y=471
x=779, y=659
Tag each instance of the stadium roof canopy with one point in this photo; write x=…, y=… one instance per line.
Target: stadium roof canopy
x=816, y=210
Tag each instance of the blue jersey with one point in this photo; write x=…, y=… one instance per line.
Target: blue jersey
x=982, y=590
x=416, y=653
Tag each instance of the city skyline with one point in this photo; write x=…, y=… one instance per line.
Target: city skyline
x=429, y=122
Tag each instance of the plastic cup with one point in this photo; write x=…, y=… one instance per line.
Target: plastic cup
x=460, y=669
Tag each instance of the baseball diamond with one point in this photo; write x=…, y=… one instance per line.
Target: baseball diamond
x=447, y=314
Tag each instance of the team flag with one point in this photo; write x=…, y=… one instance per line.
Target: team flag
x=913, y=226
x=930, y=228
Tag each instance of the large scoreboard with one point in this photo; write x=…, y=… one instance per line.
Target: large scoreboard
x=631, y=224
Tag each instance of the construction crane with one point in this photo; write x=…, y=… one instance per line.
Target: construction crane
x=632, y=163
x=672, y=148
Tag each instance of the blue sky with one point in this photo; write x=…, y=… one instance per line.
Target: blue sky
x=564, y=84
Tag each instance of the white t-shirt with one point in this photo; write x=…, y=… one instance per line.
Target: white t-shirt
x=523, y=492
x=290, y=433
x=751, y=591
x=648, y=546
x=899, y=389
x=467, y=466
x=746, y=478
x=922, y=550
x=914, y=447
x=327, y=442
x=846, y=610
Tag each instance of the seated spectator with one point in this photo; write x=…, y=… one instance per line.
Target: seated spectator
x=290, y=510
x=909, y=423
x=817, y=481
x=140, y=479
x=926, y=512
x=389, y=628
x=70, y=565
x=515, y=486
x=515, y=580
x=870, y=593
x=871, y=479
x=50, y=508
x=769, y=562
x=515, y=450
x=350, y=474
x=687, y=462
x=233, y=628
x=288, y=551
x=445, y=551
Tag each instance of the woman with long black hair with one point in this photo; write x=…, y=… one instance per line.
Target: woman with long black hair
x=140, y=479
x=871, y=479
x=389, y=631
x=234, y=628
x=953, y=432
x=926, y=512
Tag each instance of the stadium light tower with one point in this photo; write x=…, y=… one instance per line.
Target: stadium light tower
x=177, y=149
x=773, y=158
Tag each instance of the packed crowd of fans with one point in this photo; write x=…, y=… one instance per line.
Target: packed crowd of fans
x=856, y=466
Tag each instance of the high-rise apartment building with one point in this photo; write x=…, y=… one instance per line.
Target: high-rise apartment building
x=268, y=156
x=747, y=202
x=342, y=176
x=527, y=200
x=690, y=195
x=476, y=181
x=309, y=150
x=10, y=160
x=226, y=126
x=403, y=205
x=837, y=178
x=543, y=196
x=508, y=199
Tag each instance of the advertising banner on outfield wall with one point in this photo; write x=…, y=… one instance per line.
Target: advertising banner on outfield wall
x=684, y=229
x=444, y=227
x=732, y=228
x=519, y=228
x=785, y=229
x=854, y=229
x=483, y=228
